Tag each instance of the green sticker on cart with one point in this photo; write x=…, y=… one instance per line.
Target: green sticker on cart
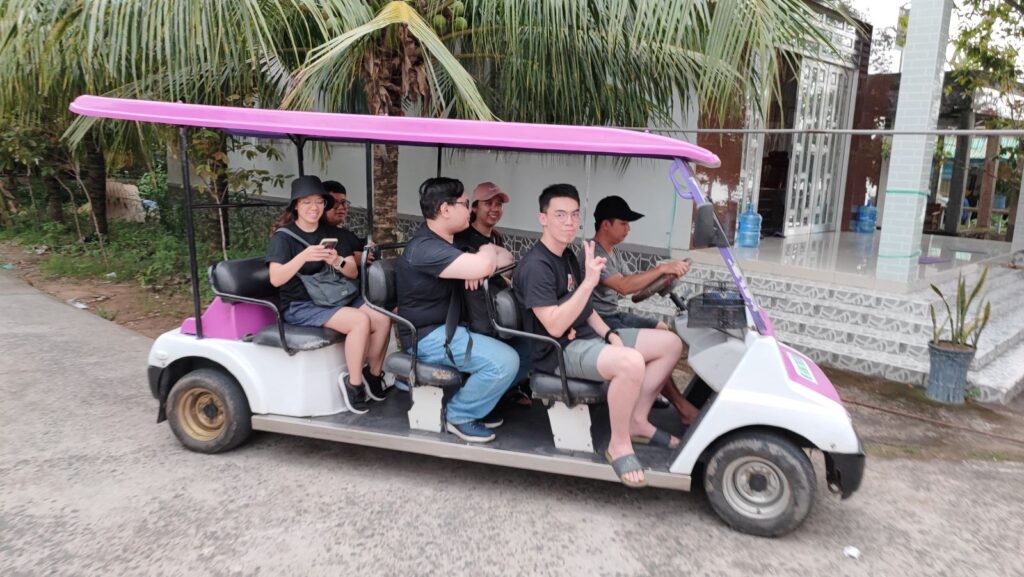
x=801, y=367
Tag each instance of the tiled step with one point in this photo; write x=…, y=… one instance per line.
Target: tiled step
x=1000, y=381
x=862, y=349
x=999, y=287
x=1002, y=333
x=899, y=368
x=889, y=318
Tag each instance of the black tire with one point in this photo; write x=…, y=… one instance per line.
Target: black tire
x=760, y=483
x=208, y=411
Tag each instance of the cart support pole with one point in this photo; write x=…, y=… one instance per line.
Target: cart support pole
x=369, y=192
x=300, y=145
x=190, y=231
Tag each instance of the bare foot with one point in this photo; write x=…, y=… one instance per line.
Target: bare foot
x=687, y=412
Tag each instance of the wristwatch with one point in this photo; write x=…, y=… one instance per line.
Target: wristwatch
x=610, y=333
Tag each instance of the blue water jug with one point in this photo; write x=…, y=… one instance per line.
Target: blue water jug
x=866, y=218
x=749, y=233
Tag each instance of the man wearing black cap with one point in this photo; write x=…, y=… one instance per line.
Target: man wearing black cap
x=612, y=216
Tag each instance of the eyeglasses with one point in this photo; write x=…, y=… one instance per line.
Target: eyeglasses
x=563, y=216
x=312, y=202
x=342, y=203
x=464, y=203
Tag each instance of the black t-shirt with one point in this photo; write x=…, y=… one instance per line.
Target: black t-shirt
x=470, y=240
x=544, y=279
x=424, y=297
x=284, y=248
x=348, y=237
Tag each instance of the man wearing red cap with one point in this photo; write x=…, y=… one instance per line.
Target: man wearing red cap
x=612, y=218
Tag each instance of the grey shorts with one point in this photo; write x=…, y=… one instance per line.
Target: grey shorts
x=620, y=320
x=581, y=355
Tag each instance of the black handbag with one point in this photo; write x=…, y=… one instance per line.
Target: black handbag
x=326, y=288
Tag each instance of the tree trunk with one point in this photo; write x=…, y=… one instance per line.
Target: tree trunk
x=385, y=193
x=222, y=197
x=54, y=199
x=387, y=64
x=94, y=178
x=8, y=203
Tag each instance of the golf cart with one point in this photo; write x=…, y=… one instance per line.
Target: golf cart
x=237, y=366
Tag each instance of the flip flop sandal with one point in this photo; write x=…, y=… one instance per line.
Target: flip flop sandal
x=658, y=439
x=627, y=464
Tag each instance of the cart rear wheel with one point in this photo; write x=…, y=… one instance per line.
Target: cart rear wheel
x=208, y=411
x=760, y=483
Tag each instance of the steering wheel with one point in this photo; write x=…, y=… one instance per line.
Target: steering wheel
x=656, y=286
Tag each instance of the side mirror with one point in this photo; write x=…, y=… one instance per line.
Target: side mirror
x=708, y=231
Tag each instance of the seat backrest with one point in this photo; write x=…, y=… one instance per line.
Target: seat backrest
x=380, y=283
x=506, y=310
x=244, y=277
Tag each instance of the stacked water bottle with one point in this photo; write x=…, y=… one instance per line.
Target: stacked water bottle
x=749, y=233
x=863, y=218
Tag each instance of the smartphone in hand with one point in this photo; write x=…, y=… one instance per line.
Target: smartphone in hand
x=329, y=242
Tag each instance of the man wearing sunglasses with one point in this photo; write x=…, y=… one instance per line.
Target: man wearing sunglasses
x=430, y=277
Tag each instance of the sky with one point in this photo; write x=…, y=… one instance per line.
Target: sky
x=879, y=13
x=885, y=13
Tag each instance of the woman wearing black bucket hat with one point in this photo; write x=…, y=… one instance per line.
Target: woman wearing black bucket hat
x=296, y=248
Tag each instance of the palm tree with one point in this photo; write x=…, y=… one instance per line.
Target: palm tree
x=611, y=62
x=226, y=53
x=563, y=61
x=36, y=77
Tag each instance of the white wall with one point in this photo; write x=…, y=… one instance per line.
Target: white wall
x=643, y=183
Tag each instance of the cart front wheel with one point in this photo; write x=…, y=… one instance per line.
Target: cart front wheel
x=760, y=483
x=208, y=411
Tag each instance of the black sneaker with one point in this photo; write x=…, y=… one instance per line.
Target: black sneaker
x=492, y=421
x=660, y=402
x=375, y=389
x=354, y=397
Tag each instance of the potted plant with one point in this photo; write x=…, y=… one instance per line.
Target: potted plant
x=950, y=358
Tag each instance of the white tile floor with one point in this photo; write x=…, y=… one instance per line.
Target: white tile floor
x=851, y=259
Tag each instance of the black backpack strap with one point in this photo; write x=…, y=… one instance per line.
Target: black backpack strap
x=451, y=322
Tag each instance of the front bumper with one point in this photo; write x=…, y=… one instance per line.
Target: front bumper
x=844, y=471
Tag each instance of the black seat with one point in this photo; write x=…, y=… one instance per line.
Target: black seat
x=548, y=387
x=247, y=280
x=508, y=318
x=380, y=293
x=400, y=365
x=298, y=338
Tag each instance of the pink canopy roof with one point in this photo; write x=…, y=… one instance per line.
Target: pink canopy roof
x=401, y=130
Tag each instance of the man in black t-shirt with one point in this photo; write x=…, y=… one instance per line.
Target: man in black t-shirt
x=636, y=362
x=427, y=275
x=338, y=216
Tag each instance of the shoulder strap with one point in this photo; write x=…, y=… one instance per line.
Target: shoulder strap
x=451, y=322
x=291, y=234
x=303, y=241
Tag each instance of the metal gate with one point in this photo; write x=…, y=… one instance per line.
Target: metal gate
x=817, y=169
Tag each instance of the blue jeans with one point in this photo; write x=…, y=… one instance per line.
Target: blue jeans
x=492, y=367
x=522, y=348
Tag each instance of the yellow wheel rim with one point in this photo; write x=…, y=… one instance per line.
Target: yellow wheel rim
x=201, y=414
